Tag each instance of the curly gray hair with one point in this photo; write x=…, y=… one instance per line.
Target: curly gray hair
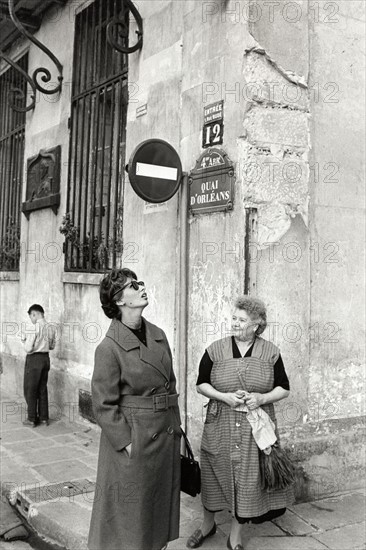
x=256, y=310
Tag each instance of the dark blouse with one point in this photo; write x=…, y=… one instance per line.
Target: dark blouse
x=140, y=332
x=204, y=374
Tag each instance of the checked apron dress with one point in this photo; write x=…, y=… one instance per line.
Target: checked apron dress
x=229, y=454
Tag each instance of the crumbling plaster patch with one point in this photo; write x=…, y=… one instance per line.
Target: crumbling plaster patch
x=268, y=82
x=274, y=147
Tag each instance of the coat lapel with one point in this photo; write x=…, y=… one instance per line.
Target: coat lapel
x=154, y=354
x=123, y=336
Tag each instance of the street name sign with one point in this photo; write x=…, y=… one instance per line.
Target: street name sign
x=211, y=183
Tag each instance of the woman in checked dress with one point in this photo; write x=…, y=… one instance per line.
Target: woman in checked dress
x=229, y=454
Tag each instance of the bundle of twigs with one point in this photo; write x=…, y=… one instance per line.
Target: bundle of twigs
x=277, y=470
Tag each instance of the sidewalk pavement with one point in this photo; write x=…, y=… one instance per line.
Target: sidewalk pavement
x=66, y=452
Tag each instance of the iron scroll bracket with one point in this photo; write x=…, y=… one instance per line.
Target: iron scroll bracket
x=17, y=93
x=123, y=31
x=46, y=75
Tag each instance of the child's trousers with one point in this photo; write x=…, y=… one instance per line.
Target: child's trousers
x=36, y=370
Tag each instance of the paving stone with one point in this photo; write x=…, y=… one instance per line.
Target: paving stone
x=41, y=456
x=64, y=438
x=90, y=446
x=187, y=527
x=14, y=473
x=20, y=434
x=332, y=512
x=56, y=427
x=218, y=541
x=292, y=524
x=91, y=461
x=12, y=410
x=191, y=508
x=9, y=422
x=85, y=500
x=91, y=434
x=283, y=543
x=348, y=537
x=267, y=529
x=65, y=470
x=21, y=448
x=64, y=522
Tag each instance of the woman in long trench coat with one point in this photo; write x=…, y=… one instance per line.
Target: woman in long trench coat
x=137, y=496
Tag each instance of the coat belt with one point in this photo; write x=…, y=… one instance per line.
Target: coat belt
x=154, y=402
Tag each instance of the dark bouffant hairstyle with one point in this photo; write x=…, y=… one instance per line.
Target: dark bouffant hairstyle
x=108, y=290
x=256, y=310
x=36, y=307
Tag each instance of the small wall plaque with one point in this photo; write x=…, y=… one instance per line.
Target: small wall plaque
x=43, y=181
x=213, y=124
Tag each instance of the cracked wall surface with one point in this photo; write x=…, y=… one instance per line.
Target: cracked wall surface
x=274, y=148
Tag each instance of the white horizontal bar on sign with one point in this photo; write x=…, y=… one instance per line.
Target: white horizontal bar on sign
x=156, y=171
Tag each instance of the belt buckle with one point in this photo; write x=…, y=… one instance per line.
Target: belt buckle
x=160, y=402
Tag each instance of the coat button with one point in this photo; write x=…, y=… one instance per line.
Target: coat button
x=170, y=430
x=238, y=424
x=155, y=436
x=167, y=385
x=153, y=390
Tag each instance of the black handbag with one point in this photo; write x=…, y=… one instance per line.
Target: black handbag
x=190, y=471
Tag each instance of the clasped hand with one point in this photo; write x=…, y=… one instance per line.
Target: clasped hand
x=251, y=400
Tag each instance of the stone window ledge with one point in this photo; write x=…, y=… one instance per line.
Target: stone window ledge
x=82, y=278
x=9, y=275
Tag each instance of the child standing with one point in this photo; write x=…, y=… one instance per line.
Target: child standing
x=37, y=344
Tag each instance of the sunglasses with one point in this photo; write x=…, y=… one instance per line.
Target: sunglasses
x=132, y=284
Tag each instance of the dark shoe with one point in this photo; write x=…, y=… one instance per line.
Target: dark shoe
x=29, y=423
x=195, y=540
x=237, y=547
x=44, y=423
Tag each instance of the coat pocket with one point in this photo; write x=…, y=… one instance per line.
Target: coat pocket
x=209, y=442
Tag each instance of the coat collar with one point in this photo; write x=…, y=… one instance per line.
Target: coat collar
x=153, y=354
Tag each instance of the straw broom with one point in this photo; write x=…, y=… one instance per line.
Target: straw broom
x=277, y=471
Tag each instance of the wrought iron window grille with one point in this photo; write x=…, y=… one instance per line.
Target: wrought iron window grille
x=93, y=223
x=12, y=128
x=16, y=95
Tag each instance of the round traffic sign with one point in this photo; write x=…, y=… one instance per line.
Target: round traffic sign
x=155, y=170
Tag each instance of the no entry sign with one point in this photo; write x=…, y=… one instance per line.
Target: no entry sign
x=155, y=170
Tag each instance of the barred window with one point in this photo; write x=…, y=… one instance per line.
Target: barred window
x=12, y=127
x=93, y=222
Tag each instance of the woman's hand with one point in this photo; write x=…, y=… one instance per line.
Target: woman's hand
x=254, y=400
x=128, y=449
x=232, y=399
